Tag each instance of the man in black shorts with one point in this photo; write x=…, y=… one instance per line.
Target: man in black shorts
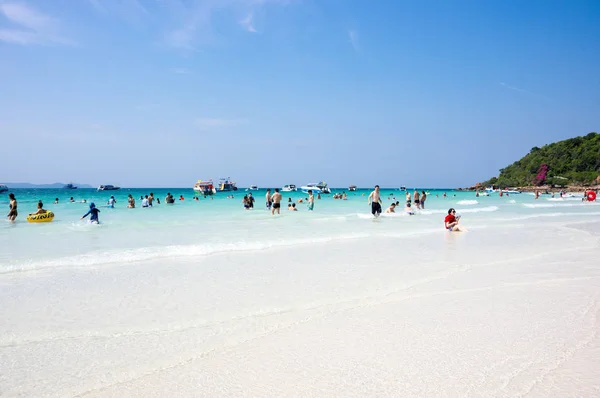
x=276, y=199
x=375, y=202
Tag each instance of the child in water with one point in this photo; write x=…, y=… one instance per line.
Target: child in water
x=40, y=209
x=94, y=214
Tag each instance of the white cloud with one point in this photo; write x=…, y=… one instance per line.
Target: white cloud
x=207, y=123
x=180, y=71
x=353, y=38
x=34, y=27
x=514, y=88
x=194, y=23
x=247, y=23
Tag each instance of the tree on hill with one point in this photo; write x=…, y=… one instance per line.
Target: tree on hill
x=572, y=161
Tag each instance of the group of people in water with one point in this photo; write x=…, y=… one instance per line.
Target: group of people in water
x=374, y=200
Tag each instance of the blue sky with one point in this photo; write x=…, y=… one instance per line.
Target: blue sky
x=160, y=93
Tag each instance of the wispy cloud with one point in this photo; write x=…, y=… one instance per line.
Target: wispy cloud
x=248, y=23
x=33, y=26
x=193, y=23
x=181, y=71
x=515, y=88
x=353, y=39
x=207, y=123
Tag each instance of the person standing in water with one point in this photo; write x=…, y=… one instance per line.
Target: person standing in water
x=268, y=199
x=417, y=199
x=94, y=214
x=276, y=198
x=131, y=202
x=12, y=207
x=311, y=200
x=375, y=202
x=423, y=198
x=111, y=202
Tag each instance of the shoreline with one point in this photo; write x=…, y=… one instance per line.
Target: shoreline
x=542, y=188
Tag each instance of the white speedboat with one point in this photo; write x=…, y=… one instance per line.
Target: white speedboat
x=108, y=188
x=403, y=188
x=253, y=188
x=352, y=188
x=205, y=187
x=320, y=187
x=3, y=188
x=289, y=188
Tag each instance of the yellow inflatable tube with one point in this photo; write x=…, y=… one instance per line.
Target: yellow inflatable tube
x=44, y=217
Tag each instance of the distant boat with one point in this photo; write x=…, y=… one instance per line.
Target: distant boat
x=108, y=188
x=352, y=188
x=253, y=188
x=3, y=188
x=321, y=187
x=403, y=188
x=289, y=188
x=205, y=187
x=225, y=184
x=70, y=186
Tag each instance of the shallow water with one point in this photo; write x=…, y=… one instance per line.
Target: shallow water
x=218, y=224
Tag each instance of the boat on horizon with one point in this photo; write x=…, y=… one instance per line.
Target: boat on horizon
x=320, y=187
x=252, y=188
x=352, y=188
x=225, y=185
x=402, y=188
x=3, y=188
x=205, y=187
x=108, y=188
x=289, y=188
x=69, y=186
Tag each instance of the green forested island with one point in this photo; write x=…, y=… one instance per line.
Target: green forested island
x=575, y=161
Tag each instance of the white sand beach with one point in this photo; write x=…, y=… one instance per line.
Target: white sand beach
x=500, y=312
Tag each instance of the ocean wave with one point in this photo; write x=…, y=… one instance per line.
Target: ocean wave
x=562, y=204
x=467, y=202
x=154, y=253
x=476, y=210
x=543, y=215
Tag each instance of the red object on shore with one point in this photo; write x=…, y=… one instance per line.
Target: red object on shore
x=591, y=196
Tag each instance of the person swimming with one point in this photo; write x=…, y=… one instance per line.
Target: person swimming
x=93, y=213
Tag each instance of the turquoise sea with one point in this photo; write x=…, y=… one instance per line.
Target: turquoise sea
x=220, y=224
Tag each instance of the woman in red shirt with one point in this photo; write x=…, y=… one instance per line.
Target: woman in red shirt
x=451, y=221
